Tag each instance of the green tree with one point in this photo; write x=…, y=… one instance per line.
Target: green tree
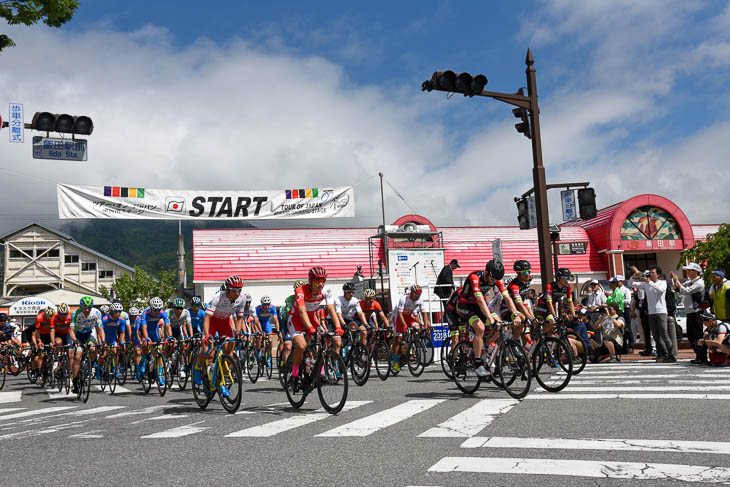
x=138, y=290
x=713, y=253
x=53, y=13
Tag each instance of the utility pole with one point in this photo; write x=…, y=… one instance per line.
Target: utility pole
x=180, y=261
x=385, y=242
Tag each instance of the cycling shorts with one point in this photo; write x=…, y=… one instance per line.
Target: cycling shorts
x=398, y=326
x=470, y=313
x=65, y=339
x=222, y=326
x=45, y=338
x=266, y=328
x=177, y=333
x=285, y=333
x=372, y=323
x=87, y=336
x=453, y=319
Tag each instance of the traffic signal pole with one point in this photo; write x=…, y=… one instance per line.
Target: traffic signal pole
x=538, y=177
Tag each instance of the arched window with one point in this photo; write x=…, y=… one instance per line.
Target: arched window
x=650, y=223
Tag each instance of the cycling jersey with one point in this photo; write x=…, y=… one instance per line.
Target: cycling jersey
x=9, y=330
x=284, y=310
x=176, y=323
x=517, y=290
x=83, y=323
x=554, y=293
x=370, y=309
x=196, y=319
x=410, y=310
x=58, y=324
x=43, y=324
x=303, y=297
x=348, y=308
x=152, y=323
x=476, y=285
x=221, y=310
x=264, y=314
x=113, y=327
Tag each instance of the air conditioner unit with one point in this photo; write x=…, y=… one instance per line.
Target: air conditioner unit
x=411, y=227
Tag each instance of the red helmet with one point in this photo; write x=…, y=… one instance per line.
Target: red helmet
x=234, y=282
x=717, y=358
x=317, y=272
x=416, y=289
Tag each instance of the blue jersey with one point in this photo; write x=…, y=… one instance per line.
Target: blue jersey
x=196, y=319
x=264, y=314
x=113, y=327
x=146, y=318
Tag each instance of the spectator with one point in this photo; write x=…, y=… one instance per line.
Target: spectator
x=655, y=290
x=617, y=297
x=445, y=280
x=716, y=338
x=720, y=295
x=579, y=326
x=639, y=310
x=596, y=301
x=671, y=301
x=612, y=334
x=629, y=333
x=692, y=292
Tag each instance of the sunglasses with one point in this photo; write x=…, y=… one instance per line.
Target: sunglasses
x=525, y=273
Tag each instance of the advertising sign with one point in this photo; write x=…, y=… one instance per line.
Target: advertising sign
x=415, y=266
x=29, y=306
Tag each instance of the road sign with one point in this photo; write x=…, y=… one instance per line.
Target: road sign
x=570, y=213
x=59, y=149
x=532, y=211
x=16, y=122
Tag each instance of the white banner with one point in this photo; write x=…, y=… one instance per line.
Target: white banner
x=415, y=266
x=173, y=204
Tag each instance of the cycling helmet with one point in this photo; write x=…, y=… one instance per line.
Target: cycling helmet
x=707, y=316
x=134, y=311
x=248, y=297
x=370, y=293
x=298, y=283
x=521, y=265
x=195, y=301
x=49, y=312
x=348, y=287
x=63, y=309
x=104, y=309
x=178, y=303
x=156, y=304
x=234, y=282
x=266, y=300
x=416, y=289
x=3, y=317
x=317, y=272
x=87, y=302
x=117, y=307
x=563, y=273
x=494, y=269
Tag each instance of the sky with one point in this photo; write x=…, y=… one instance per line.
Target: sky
x=251, y=95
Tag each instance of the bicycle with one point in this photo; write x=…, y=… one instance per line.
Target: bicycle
x=321, y=369
x=109, y=375
x=266, y=352
x=359, y=361
x=412, y=352
x=223, y=376
x=153, y=367
x=426, y=337
x=84, y=375
x=550, y=359
x=381, y=354
x=178, y=365
x=579, y=355
x=62, y=370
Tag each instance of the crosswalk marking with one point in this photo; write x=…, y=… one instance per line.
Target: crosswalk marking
x=55, y=395
x=118, y=390
x=583, y=468
x=647, y=388
x=375, y=422
x=10, y=396
x=640, y=375
x=148, y=410
x=472, y=420
x=161, y=418
x=673, y=446
x=88, y=435
x=286, y=424
x=37, y=432
x=8, y=410
x=576, y=381
x=627, y=396
x=188, y=429
x=97, y=410
x=36, y=412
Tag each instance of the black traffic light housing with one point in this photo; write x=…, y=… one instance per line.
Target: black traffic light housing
x=62, y=123
x=524, y=126
x=523, y=214
x=587, y=203
x=449, y=81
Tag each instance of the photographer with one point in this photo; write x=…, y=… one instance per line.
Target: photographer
x=596, y=300
x=716, y=338
x=612, y=331
x=692, y=292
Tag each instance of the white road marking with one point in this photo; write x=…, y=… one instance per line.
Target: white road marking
x=148, y=410
x=601, y=380
x=163, y=417
x=36, y=412
x=188, y=429
x=628, y=396
x=88, y=435
x=10, y=396
x=375, y=422
x=55, y=395
x=38, y=432
x=9, y=410
x=642, y=373
x=286, y=424
x=118, y=390
x=472, y=420
x=647, y=388
x=97, y=410
x=667, y=446
x=584, y=468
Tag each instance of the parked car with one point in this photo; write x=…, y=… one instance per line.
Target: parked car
x=681, y=317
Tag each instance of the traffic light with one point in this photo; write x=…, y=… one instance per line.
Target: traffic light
x=62, y=123
x=524, y=126
x=587, y=203
x=523, y=214
x=449, y=81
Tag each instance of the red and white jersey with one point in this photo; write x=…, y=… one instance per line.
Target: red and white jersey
x=222, y=307
x=408, y=307
x=312, y=302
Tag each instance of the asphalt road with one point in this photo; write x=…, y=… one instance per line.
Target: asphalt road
x=405, y=431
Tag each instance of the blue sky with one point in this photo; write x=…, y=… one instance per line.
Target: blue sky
x=319, y=93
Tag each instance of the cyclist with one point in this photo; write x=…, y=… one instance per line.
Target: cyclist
x=372, y=310
x=104, y=308
x=180, y=325
x=302, y=316
x=153, y=326
x=44, y=334
x=222, y=310
x=246, y=323
x=286, y=344
x=62, y=327
x=264, y=314
x=114, y=325
x=9, y=331
x=85, y=328
x=133, y=325
x=559, y=290
x=197, y=314
x=404, y=316
x=349, y=311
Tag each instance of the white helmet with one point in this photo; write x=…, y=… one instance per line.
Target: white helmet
x=156, y=304
x=117, y=307
x=266, y=300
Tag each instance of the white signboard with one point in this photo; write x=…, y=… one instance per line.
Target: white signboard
x=532, y=212
x=415, y=266
x=16, y=122
x=175, y=204
x=497, y=250
x=59, y=149
x=570, y=213
x=29, y=306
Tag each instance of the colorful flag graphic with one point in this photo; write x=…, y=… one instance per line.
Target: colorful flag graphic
x=120, y=192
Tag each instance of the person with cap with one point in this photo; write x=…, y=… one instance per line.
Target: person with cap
x=655, y=290
x=720, y=295
x=692, y=292
x=596, y=302
x=445, y=280
x=716, y=338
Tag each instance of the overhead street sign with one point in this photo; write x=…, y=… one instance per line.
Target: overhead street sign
x=59, y=149
x=16, y=122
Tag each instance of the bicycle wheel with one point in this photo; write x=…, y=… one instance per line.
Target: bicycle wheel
x=67, y=376
x=416, y=357
x=360, y=364
x=201, y=393
x=230, y=377
x=181, y=372
x=252, y=364
x=3, y=372
x=146, y=376
x=296, y=394
x=50, y=375
x=160, y=368
x=122, y=367
x=581, y=358
x=268, y=362
x=60, y=373
x=446, y=357
x=111, y=373
x=428, y=346
x=513, y=369
x=463, y=371
x=14, y=367
x=86, y=381
x=381, y=359
x=32, y=375
x=331, y=382
x=552, y=365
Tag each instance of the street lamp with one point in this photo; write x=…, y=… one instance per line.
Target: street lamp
x=529, y=112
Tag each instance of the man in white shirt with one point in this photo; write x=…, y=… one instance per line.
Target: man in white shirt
x=596, y=301
x=655, y=290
